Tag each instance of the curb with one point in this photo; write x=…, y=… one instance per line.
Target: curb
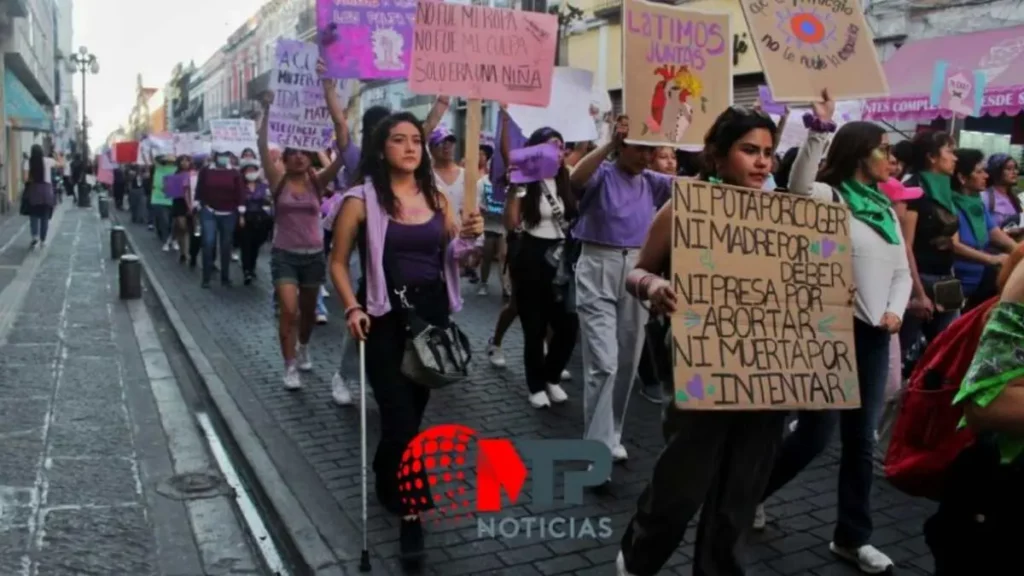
x=285, y=510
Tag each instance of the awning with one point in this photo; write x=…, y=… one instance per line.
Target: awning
x=998, y=53
x=21, y=108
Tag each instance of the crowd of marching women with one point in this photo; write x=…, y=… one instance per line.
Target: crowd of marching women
x=380, y=221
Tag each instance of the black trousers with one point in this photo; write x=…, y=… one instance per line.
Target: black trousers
x=400, y=401
x=535, y=300
x=251, y=238
x=716, y=462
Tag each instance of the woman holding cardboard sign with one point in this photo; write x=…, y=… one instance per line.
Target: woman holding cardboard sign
x=858, y=160
x=718, y=461
x=297, y=259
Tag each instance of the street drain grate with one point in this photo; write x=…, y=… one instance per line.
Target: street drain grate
x=194, y=486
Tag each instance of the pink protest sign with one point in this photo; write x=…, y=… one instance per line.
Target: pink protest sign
x=365, y=39
x=483, y=53
x=957, y=90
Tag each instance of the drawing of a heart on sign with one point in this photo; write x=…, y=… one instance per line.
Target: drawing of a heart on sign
x=828, y=246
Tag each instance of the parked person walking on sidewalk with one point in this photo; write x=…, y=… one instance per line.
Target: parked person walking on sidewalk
x=544, y=209
x=221, y=195
x=723, y=474
x=297, y=263
x=617, y=205
x=400, y=217
x=858, y=160
x=258, y=219
x=181, y=208
x=39, y=198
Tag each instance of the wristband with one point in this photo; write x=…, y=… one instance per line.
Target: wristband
x=815, y=124
x=351, y=309
x=644, y=285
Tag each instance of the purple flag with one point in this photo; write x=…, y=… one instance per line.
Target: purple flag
x=516, y=139
x=366, y=39
x=764, y=94
x=535, y=163
x=175, y=184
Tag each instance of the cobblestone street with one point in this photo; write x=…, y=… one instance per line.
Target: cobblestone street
x=83, y=452
x=316, y=445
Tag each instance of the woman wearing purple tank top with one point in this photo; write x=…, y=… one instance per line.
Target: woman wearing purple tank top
x=409, y=245
x=297, y=264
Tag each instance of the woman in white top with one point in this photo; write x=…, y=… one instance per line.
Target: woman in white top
x=543, y=209
x=857, y=161
x=38, y=198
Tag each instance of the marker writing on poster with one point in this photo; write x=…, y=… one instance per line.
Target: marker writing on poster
x=761, y=329
x=675, y=40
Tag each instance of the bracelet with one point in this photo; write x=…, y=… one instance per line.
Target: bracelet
x=644, y=285
x=351, y=309
x=815, y=124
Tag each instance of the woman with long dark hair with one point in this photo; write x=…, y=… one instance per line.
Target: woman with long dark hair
x=39, y=197
x=297, y=263
x=544, y=209
x=981, y=245
x=858, y=160
x=409, y=244
x=724, y=473
x=1000, y=199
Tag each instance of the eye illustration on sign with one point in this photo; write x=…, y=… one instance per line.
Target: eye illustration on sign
x=805, y=28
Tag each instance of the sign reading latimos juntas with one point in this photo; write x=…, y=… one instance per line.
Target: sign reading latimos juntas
x=764, y=286
x=807, y=46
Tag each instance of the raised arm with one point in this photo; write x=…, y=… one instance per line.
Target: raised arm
x=270, y=168
x=436, y=113
x=337, y=112
x=805, y=166
x=589, y=164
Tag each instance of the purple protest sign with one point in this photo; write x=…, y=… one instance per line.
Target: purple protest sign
x=366, y=39
x=175, y=184
x=769, y=106
x=535, y=163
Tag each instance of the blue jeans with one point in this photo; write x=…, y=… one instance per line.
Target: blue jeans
x=39, y=226
x=161, y=216
x=217, y=227
x=857, y=432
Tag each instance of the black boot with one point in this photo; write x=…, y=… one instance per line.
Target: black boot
x=410, y=542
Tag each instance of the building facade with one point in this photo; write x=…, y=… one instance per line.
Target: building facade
x=28, y=43
x=66, y=113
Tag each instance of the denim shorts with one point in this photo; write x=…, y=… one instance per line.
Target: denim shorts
x=305, y=270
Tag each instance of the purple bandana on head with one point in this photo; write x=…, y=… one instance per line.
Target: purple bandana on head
x=439, y=135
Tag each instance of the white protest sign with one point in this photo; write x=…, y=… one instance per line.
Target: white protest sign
x=570, y=89
x=189, y=144
x=233, y=135
x=299, y=117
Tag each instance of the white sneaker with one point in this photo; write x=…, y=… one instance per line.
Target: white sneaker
x=759, y=518
x=321, y=319
x=339, y=390
x=495, y=355
x=302, y=358
x=566, y=375
x=482, y=290
x=291, y=378
x=557, y=394
x=234, y=257
x=175, y=246
x=619, y=453
x=620, y=566
x=166, y=248
x=868, y=558
x=540, y=400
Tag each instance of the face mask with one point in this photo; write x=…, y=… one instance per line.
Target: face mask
x=252, y=176
x=223, y=161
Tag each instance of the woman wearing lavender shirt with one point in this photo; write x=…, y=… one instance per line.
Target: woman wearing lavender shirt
x=399, y=216
x=616, y=208
x=1000, y=200
x=297, y=260
x=258, y=221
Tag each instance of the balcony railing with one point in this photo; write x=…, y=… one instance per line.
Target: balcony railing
x=608, y=9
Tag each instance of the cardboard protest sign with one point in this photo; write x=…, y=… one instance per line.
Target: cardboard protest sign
x=233, y=134
x=807, y=47
x=571, y=87
x=366, y=39
x=764, y=288
x=298, y=118
x=534, y=163
x=677, y=73
x=483, y=53
x=957, y=90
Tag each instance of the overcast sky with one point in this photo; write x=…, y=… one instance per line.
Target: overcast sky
x=147, y=37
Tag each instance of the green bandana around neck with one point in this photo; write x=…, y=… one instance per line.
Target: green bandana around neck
x=939, y=189
x=871, y=207
x=714, y=179
x=974, y=210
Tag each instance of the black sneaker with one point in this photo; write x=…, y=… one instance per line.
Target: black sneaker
x=248, y=280
x=410, y=543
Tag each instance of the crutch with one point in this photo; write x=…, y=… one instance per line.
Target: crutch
x=364, y=561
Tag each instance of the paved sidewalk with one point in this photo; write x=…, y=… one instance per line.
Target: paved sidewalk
x=85, y=462
x=309, y=436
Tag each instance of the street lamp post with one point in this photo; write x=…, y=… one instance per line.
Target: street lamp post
x=83, y=62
